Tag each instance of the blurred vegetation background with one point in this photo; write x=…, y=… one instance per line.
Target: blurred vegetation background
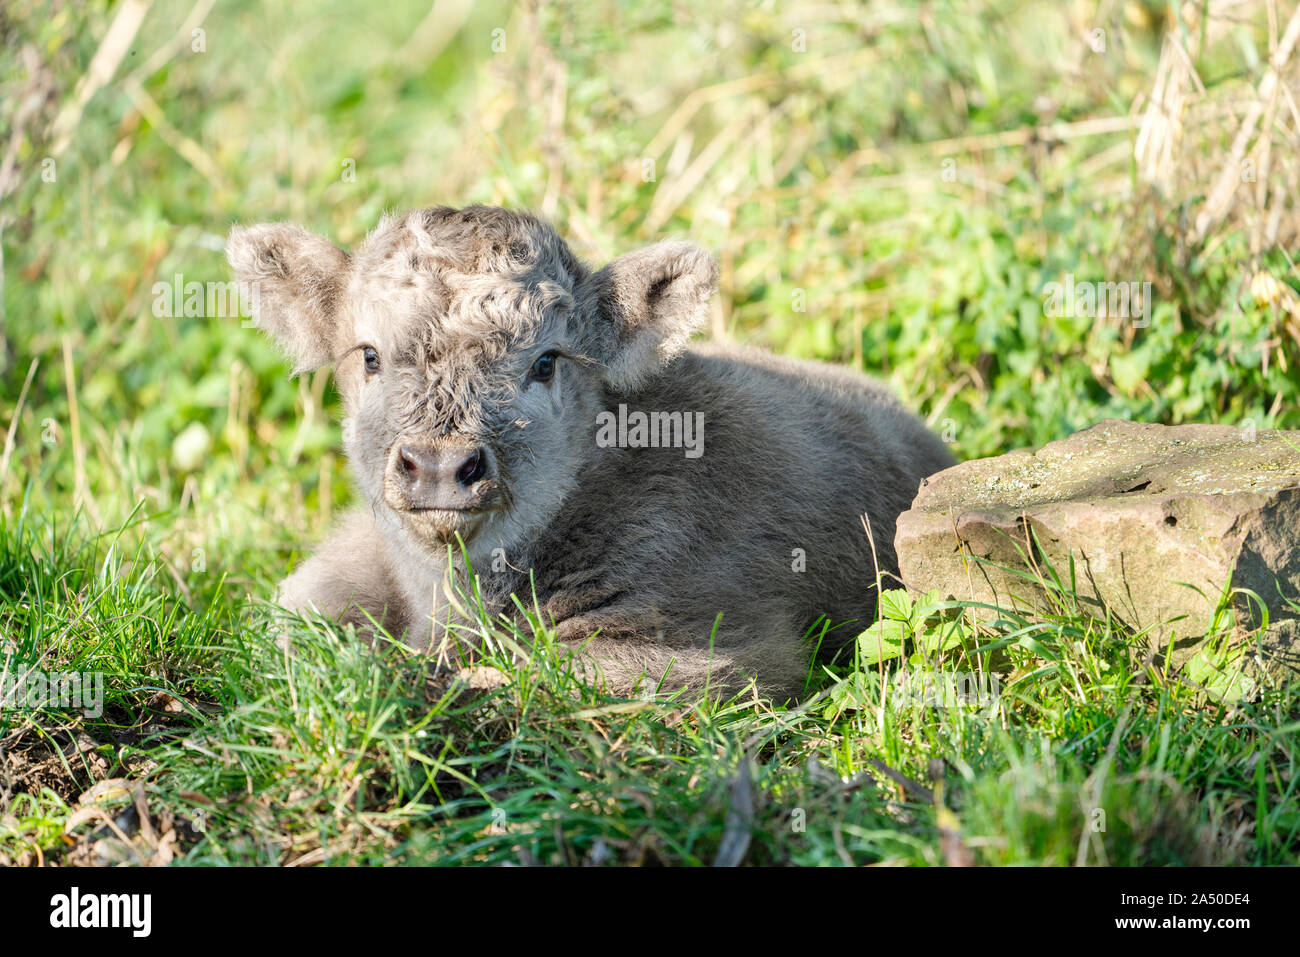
x=887, y=185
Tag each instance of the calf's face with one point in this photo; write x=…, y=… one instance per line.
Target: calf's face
x=472, y=351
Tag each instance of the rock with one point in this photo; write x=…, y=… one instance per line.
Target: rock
x=1160, y=521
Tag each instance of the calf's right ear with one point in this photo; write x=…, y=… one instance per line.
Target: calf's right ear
x=648, y=305
x=296, y=280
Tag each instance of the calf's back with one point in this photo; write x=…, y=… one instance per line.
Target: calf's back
x=761, y=526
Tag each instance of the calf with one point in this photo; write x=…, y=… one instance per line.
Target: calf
x=696, y=510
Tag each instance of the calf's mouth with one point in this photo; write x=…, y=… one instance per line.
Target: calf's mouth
x=443, y=525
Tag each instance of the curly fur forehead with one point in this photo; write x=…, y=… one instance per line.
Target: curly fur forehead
x=476, y=239
x=457, y=297
x=435, y=276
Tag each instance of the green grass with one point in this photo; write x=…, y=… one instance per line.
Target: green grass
x=819, y=176
x=344, y=752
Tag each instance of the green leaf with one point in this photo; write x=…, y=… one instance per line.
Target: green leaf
x=896, y=604
x=1221, y=674
x=1129, y=370
x=882, y=641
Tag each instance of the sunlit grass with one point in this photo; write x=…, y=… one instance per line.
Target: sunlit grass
x=1077, y=750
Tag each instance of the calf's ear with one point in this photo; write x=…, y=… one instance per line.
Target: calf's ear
x=647, y=304
x=295, y=281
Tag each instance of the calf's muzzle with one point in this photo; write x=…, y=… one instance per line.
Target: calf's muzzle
x=444, y=474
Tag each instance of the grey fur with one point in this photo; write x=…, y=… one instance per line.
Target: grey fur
x=643, y=547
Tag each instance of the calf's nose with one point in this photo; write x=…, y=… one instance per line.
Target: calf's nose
x=439, y=476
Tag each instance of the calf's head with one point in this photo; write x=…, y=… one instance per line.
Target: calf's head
x=472, y=350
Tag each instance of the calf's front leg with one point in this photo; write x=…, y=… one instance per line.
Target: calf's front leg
x=347, y=579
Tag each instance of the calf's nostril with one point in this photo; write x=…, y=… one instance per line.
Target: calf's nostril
x=472, y=469
x=407, y=460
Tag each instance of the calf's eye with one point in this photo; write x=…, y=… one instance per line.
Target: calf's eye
x=371, y=358
x=544, y=368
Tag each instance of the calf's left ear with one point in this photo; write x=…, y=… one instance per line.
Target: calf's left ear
x=296, y=279
x=646, y=306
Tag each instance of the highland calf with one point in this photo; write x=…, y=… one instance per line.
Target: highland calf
x=491, y=385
